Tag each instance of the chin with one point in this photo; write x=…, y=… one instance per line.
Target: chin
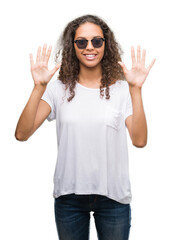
x=90, y=64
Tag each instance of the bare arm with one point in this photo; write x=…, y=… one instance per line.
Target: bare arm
x=36, y=110
x=135, y=77
x=136, y=123
x=33, y=115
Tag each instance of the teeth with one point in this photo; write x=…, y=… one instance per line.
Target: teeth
x=90, y=55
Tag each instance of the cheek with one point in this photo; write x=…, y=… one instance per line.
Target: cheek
x=102, y=53
x=78, y=53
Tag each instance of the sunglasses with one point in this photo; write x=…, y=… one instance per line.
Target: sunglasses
x=96, y=42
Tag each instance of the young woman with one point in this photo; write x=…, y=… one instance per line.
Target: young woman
x=102, y=99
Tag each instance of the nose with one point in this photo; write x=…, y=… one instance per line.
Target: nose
x=89, y=45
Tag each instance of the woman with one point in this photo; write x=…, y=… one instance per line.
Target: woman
x=92, y=164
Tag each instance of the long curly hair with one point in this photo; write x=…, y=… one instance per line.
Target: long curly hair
x=69, y=69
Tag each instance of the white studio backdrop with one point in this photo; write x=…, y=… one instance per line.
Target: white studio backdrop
x=27, y=168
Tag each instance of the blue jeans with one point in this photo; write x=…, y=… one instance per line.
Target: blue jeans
x=72, y=217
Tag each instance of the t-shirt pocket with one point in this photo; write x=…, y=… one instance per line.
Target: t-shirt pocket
x=113, y=118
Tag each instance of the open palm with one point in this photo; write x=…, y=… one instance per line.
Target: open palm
x=138, y=74
x=39, y=70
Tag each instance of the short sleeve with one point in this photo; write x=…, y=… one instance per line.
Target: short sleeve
x=129, y=108
x=49, y=96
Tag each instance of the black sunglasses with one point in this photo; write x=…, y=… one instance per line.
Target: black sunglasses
x=96, y=42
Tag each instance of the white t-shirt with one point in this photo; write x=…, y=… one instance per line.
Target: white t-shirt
x=92, y=142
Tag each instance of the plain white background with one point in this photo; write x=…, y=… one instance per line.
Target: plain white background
x=27, y=168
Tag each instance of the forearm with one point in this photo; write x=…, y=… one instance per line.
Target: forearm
x=27, y=118
x=139, y=125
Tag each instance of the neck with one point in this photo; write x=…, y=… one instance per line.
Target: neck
x=89, y=75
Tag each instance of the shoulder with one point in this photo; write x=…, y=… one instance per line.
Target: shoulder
x=55, y=83
x=123, y=85
x=52, y=86
x=121, y=89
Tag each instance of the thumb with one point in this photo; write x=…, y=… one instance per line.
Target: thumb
x=53, y=71
x=123, y=66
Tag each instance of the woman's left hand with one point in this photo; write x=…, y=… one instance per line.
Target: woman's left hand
x=138, y=74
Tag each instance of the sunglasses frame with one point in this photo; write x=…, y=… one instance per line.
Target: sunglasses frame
x=89, y=40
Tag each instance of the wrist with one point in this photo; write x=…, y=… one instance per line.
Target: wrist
x=135, y=89
x=40, y=88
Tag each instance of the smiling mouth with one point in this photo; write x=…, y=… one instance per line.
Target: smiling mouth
x=90, y=56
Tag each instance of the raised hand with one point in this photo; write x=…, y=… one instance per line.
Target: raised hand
x=39, y=70
x=138, y=74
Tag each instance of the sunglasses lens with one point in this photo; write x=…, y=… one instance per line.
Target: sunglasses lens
x=97, y=42
x=82, y=44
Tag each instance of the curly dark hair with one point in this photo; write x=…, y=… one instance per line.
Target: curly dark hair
x=69, y=70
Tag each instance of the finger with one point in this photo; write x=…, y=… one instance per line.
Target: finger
x=151, y=65
x=48, y=54
x=31, y=60
x=143, y=57
x=138, y=54
x=38, y=55
x=133, y=55
x=123, y=67
x=55, y=69
x=44, y=52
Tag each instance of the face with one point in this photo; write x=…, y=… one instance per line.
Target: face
x=90, y=56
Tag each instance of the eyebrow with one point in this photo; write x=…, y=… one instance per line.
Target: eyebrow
x=93, y=37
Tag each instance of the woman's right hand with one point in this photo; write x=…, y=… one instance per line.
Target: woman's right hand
x=39, y=70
